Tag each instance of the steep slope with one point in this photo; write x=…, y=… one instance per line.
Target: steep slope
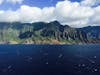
x=47, y=33
x=93, y=33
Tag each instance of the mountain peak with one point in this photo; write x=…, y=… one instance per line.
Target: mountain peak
x=55, y=23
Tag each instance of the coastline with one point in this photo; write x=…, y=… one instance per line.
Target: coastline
x=16, y=43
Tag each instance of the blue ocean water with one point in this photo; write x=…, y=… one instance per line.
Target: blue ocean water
x=50, y=59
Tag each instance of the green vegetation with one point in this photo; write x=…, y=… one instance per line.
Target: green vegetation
x=43, y=33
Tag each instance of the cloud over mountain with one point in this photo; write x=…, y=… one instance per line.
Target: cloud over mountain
x=75, y=14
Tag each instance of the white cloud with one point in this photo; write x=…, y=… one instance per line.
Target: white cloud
x=8, y=16
x=89, y=2
x=1, y=1
x=74, y=14
x=95, y=19
x=29, y=14
x=15, y=1
x=48, y=16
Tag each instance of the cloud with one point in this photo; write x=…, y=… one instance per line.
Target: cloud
x=27, y=14
x=48, y=16
x=1, y=1
x=74, y=14
x=9, y=16
x=15, y=1
x=95, y=19
x=90, y=2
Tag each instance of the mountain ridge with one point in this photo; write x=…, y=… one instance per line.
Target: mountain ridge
x=47, y=33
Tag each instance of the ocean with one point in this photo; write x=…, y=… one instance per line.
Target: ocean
x=30, y=59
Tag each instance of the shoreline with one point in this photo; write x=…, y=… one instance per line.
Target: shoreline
x=48, y=44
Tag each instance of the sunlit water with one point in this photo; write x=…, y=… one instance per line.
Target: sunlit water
x=49, y=59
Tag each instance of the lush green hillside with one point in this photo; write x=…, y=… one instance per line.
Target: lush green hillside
x=47, y=33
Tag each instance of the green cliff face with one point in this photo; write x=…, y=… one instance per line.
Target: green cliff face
x=44, y=33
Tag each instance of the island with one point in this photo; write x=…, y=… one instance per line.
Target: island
x=47, y=33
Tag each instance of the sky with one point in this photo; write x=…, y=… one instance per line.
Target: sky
x=75, y=13
x=15, y=4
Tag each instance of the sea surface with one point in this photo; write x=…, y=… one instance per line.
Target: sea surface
x=31, y=59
